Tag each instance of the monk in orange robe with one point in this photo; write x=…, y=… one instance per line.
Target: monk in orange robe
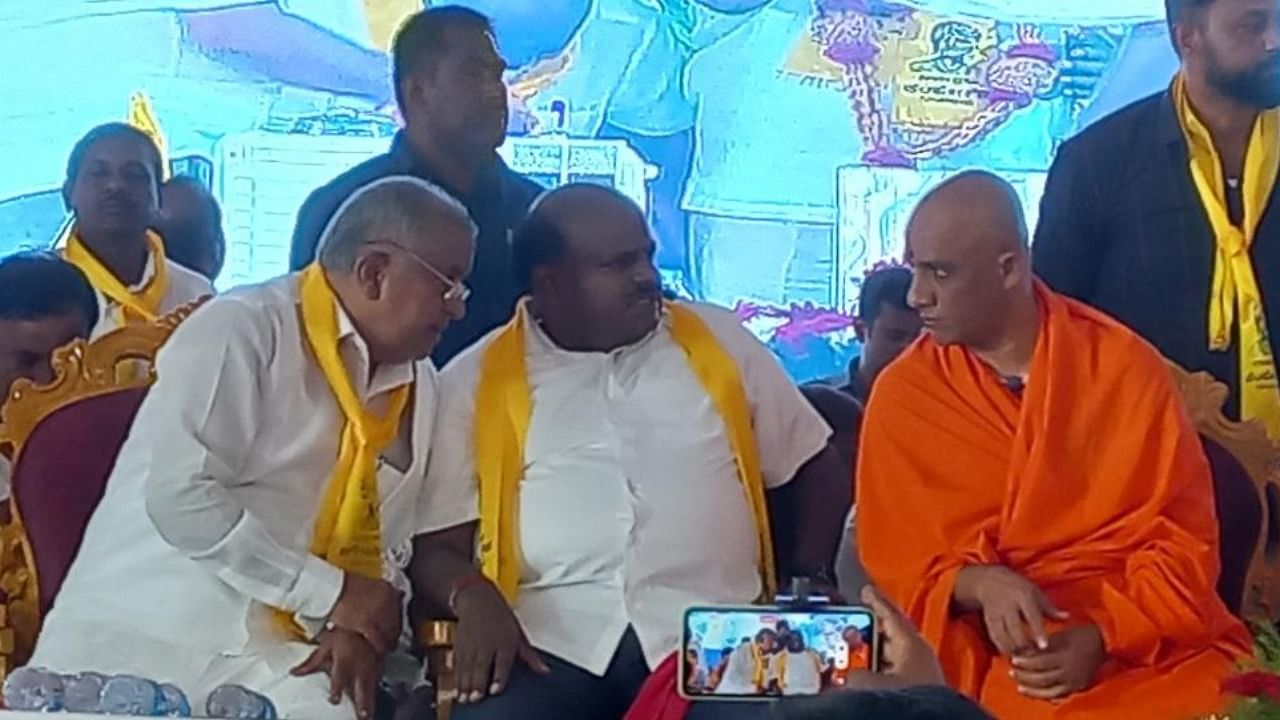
x=1032, y=492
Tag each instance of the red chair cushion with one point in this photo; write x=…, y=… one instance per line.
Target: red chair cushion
x=60, y=477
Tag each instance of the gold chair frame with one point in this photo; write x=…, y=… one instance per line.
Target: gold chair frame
x=1249, y=444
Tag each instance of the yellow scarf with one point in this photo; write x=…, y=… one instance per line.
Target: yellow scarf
x=758, y=662
x=348, y=529
x=504, y=408
x=140, y=307
x=1234, y=296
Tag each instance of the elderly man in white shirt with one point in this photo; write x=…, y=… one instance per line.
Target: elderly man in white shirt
x=230, y=547
x=644, y=438
x=113, y=189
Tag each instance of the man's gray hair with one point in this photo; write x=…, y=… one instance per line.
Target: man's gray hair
x=396, y=207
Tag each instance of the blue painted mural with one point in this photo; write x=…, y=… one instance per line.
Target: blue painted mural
x=777, y=145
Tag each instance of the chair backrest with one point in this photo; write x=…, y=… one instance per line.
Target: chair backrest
x=1249, y=519
x=60, y=476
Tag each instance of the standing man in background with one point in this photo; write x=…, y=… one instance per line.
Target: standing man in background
x=1158, y=215
x=190, y=221
x=448, y=81
x=113, y=187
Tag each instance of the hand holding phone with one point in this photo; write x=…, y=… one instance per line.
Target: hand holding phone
x=907, y=659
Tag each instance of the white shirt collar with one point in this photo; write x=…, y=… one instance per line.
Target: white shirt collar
x=385, y=378
x=148, y=272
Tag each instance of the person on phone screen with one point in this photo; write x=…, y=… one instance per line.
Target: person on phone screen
x=856, y=656
x=1032, y=491
x=799, y=669
x=739, y=675
x=274, y=466
x=622, y=450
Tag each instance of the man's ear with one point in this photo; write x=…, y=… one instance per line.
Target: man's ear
x=1013, y=269
x=860, y=330
x=66, y=195
x=1185, y=37
x=370, y=272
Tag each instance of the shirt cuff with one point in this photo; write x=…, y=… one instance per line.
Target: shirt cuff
x=316, y=590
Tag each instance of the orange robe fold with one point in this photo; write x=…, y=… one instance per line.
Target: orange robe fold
x=1093, y=485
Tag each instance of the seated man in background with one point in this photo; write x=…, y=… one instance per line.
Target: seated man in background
x=112, y=187
x=1032, y=492
x=279, y=454
x=190, y=221
x=622, y=449
x=886, y=325
x=45, y=303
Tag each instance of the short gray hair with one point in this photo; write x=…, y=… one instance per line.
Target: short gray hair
x=398, y=206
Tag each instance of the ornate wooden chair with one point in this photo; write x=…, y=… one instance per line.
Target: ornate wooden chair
x=1246, y=470
x=63, y=439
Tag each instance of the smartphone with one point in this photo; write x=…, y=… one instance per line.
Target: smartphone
x=763, y=652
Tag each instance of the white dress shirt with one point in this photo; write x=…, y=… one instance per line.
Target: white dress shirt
x=208, y=515
x=630, y=507
x=184, y=286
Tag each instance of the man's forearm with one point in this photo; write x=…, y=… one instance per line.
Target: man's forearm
x=822, y=498
x=440, y=560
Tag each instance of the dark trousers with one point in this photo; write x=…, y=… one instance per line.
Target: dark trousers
x=571, y=693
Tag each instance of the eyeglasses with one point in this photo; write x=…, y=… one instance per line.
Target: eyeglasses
x=455, y=290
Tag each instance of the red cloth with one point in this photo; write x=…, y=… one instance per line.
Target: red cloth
x=659, y=697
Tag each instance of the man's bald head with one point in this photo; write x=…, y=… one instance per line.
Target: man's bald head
x=586, y=253
x=982, y=209
x=967, y=242
x=577, y=212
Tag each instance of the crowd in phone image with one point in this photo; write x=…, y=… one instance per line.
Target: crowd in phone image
x=738, y=653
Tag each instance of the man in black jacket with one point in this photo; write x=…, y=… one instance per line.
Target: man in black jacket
x=448, y=83
x=1126, y=226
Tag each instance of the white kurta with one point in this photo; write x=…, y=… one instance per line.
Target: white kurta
x=208, y=516
x=184, y=287
x=803, y=676
x=739, y=674
x=631, y=508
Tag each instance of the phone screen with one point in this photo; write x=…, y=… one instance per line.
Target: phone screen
x=762, y=652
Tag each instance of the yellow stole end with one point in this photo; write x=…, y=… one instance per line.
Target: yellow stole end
x=1234, y=298
x=504, y=409
x=348, y=528
x=140, y=307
